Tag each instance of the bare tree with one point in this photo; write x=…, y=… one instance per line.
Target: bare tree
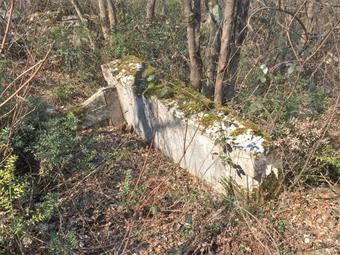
x=192, y=11
x=222, y=65
x=83, y=21
x=77, y=8
x=111, y=8
x=215, y=18
x=103, y=19
x=163, y=8
x=150, y=10
x=308, y=20
x=8, y=26
x=238, y=37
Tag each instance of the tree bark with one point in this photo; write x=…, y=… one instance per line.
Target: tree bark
x=192, y=11
x=150, y=10
x=163, y=8
x=103, y=19
x=77, y=8
x=224, y=51
x=111, y=8
x=8, y=26
x=238, y=35
x=214, y=44
x=308, y=20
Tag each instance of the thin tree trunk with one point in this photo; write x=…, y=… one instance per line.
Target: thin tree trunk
x=224, y=51
x=192, y=13
x=122, y=9
x=238, y=36
x=163, y=7
x=308, y=21
x=103, y=19
x=111, y=8
x=197, y=23
x=150, y=10
x=214, y=44
x=77, y=8
x=8, y=26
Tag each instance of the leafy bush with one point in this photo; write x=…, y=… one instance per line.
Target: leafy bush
x=25, y=203
x=62, y=243
x=58, y=147
x=18, y=218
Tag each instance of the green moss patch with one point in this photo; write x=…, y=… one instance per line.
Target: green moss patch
x=78, y=111
x=238, y=131
x=208, y=119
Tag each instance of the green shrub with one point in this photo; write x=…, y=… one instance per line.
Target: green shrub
x=11, y=189
x=71, y=53
x=18, y=217
x=61, y=94
x=58, y=147
x=62, y=243
x=330, y=160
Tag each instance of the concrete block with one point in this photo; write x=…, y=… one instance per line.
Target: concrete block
x=219, y=150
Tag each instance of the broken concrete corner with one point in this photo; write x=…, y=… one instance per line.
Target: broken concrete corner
x=102, y=107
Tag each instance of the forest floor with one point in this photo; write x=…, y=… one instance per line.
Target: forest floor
x=135, y=201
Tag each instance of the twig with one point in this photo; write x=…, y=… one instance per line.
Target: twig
x=41, y=63
x=9, y=21
x=315, y=147
x=17, y=78
x=322, y=42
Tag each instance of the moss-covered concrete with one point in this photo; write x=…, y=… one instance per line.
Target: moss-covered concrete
x=151, y=82
x=78, y=111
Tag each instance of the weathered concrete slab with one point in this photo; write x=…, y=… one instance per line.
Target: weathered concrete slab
x=224, y=148
x=102, y=106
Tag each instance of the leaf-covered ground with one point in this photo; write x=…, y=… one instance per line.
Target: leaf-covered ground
x=135, y=201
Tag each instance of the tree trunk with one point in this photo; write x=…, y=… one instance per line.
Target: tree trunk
x=123, y=10
x=224, y=51
x=308, y=21
x=150, y=10
x=214, y=44
x=83, y=21
x=163, y=7
x=192, y=12
x=111, y=8
x=238, y=36
x=76, y=7
x=103, y=19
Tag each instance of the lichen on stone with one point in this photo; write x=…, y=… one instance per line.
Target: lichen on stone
x=128, y=64
x=186, y=102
